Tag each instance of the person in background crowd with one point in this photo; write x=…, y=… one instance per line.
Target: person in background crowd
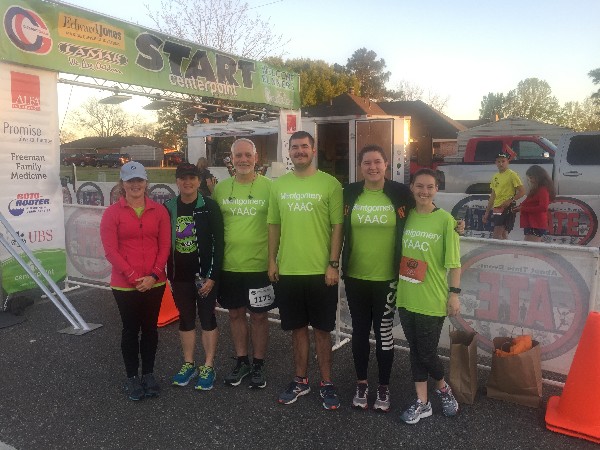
x=534, y=209
x=305, y=239
x=506, y=189
x=428, y=289
x=135, y=233
x=207, y=179
x=374, y=214
x=245, y=285
x=194, y=268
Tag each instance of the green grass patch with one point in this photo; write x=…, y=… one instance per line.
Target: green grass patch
x=155, y=174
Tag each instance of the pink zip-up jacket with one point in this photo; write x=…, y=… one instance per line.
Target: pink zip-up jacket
x=136, y=247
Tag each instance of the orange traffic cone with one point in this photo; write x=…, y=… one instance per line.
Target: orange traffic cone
x=168, y=311
x=577, y=412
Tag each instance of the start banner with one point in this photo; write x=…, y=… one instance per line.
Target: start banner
x=31, y=198
x=67, y=39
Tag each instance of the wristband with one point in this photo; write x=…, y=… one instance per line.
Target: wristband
x=153, y=275
x=454, y=290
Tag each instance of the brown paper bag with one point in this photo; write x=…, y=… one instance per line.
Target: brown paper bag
x=516, y=378
x=462, y=376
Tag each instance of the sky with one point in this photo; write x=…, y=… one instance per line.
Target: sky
x=461, y=49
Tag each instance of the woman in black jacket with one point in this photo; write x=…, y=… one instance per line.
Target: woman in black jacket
x=375, y=211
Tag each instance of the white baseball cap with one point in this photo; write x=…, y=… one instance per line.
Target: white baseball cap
x=132, y=170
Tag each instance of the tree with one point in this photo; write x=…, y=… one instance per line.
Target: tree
x=172, y=128
x=532, y=99
x=144, y=129
x=595, y=76
x=225, y=25
x=492, y=106
x=319, y=81
x=101, y=120
x=583, y=116
x=370, y=73
x=407, y=91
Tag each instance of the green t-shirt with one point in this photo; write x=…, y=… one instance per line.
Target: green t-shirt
x=504, y=185
x=373, y=222
x=430, y=238
x=244, y=208
x=306, y=208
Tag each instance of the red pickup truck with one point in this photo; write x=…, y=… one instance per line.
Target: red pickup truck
x=484, y=150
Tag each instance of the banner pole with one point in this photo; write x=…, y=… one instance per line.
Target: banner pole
x=80, y=322
x=42, y=286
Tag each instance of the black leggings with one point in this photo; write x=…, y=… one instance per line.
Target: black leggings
x=372, y=303
x=139, y=312
x=423, y=335
x=187, y=300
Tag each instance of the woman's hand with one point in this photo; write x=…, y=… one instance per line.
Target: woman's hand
x=453, y=306
x=145, y=283
x=206, y=288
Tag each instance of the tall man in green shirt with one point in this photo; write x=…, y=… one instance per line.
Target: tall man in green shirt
x=245, y=285
x=305, y=238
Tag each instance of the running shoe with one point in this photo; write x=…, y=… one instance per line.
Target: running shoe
x=382, y=403
x=150, y=385
x=329, y=395
x=294, y=390
x=257, y=377
x=360, y=397
x=449, y=403
x=416, y=412
x=239, y=372
x=187, y=372
x=134, y=389
x=206, y=378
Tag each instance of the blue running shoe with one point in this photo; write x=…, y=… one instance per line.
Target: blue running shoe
x=133, y=388
x=187, y=372
x=294, y=390
x=206, y=378
x=416, y=412
x=329, y=395
x=150, y=385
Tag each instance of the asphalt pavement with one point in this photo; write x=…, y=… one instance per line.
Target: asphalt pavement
x=61, y=391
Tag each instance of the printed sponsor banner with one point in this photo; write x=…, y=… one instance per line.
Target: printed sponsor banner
x=511, y=288
x=71, y=40
x=573, y=220
x=85, y=254
x=32, y=196
x=290, y=121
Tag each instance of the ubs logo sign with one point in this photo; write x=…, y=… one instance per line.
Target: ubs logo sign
x=514, y=291
x=27, y=31
x=570, y=220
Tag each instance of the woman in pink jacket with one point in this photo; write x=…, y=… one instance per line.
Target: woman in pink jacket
x=534, y=209
x=136, y=235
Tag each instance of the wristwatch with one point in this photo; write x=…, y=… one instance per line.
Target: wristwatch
x=334, y=264
x=454, y=290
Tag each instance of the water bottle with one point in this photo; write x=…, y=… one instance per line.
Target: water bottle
x=199, y=281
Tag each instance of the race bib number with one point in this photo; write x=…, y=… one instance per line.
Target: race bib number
x=412, y=270
x=260, y=298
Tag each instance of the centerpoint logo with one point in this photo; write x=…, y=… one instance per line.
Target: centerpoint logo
x=27, y=31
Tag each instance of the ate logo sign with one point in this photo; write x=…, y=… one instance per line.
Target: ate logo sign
x=25, y=91
x=508, y=292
